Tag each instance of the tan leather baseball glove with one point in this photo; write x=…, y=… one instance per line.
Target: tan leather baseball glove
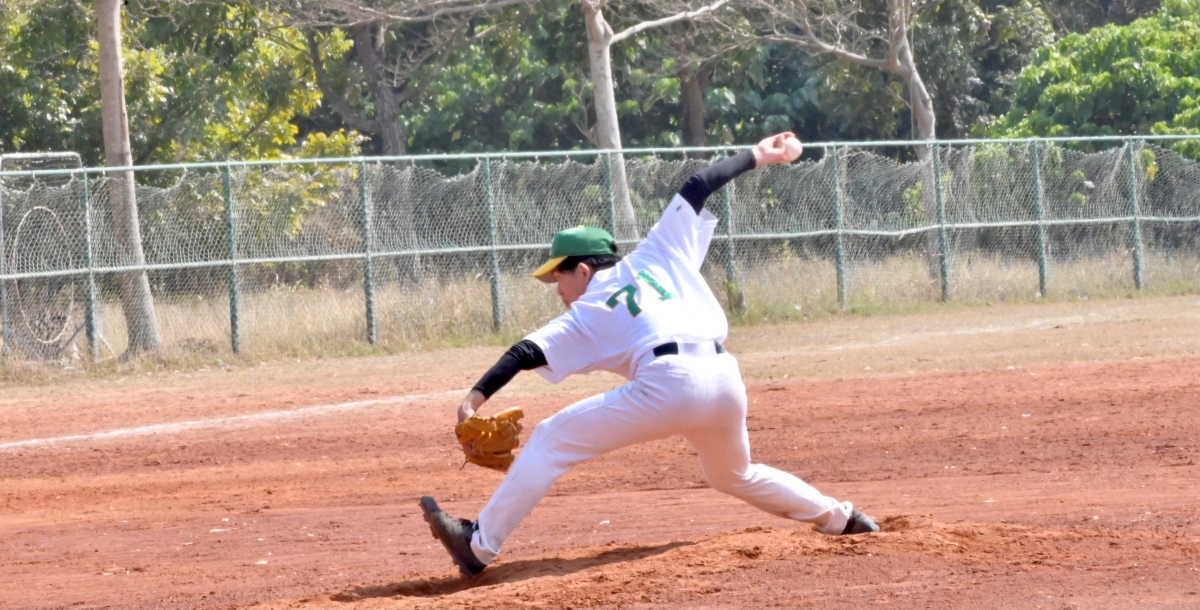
x=489, y=441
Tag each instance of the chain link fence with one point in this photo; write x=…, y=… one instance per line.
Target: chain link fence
x=329, y=257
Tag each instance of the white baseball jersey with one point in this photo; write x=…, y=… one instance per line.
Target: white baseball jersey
x=655, y=295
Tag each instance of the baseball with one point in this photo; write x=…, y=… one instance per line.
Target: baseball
x=793, y=148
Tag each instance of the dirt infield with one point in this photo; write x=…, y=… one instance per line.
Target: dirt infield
x=1041, y=456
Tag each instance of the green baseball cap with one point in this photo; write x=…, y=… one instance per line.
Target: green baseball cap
x=576, y=241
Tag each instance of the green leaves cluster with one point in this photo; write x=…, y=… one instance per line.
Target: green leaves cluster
x=520, y=84
x=1115, y=80
x=203, y=82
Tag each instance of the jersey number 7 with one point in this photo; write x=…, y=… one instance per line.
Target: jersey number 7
x=630, y=292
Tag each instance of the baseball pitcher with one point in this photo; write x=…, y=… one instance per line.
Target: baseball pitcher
x=651, y=318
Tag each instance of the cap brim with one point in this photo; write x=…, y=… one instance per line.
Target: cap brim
x=544, y=272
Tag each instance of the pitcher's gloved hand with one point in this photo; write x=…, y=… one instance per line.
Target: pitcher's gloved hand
x=489, y=441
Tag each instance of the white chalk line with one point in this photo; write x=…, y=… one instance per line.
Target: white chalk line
x=219, y=422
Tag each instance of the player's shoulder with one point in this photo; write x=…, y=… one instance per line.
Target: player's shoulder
x=607, y=280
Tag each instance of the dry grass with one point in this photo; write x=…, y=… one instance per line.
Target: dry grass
x=791, y=288
x=309, y=322
x=283, y=322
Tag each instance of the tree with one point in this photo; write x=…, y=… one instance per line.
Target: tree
x=136, y=300
x=41, y=84
x=876, y=35
x=605, y=133
x=397, y=48
x=526, y=85
x=392, y=51
x=670, y=72
x=204, y=81
x=856, y=32
x=970, y=55
x=969, y=51
x=219, y=80
x=1115, y=80
x=389, y=81
x=519, y=87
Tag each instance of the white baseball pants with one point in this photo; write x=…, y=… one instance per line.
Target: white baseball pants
x=701, y=398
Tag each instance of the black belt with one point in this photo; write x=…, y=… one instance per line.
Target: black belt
x=672, y=349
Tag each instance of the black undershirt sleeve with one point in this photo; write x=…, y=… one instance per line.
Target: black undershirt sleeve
x=709, y=180
x=524, y=356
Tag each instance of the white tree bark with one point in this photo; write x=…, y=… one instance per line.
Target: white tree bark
x=606, y=132
x=790, y=22
x=136, y=299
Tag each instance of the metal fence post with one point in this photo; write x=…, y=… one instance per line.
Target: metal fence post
x=943, y=241
x=608, y=191
x=839, y=246
x=90, y=321
x=364, y=205
x=1136, y=211
x=737, y=299
x=1040, y=209
x=235, y=330
x=497, y=306
x=4, y=327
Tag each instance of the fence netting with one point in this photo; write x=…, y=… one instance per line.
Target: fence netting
x=326, y=259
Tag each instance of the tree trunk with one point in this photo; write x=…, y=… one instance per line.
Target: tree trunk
x=925, y=128
x=396, y=188
x=387, y=111
x=692, y=83
x=924, y=120
x=607, y=129
x=136, y=299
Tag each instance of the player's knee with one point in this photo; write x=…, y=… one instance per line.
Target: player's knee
x=540, y=433
x=729, y=481
x=547, y=446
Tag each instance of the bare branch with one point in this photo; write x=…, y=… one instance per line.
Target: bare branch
x=417, y=12
x=646, y=25
x=845, y=31
x=442, y=52
x=814, y=44
x=588, y=131
x=808, y=39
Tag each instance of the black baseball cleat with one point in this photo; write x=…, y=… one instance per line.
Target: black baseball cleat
x=455, y=535
x=858, y=523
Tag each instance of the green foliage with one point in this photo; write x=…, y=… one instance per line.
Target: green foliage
x=969, y=53
x=1115, y=80
x=203, y=81
x=1147, y=164
x=914, y=204
x=231, y=80
x=1083, y=15
x=48, y=93
x=521, y=84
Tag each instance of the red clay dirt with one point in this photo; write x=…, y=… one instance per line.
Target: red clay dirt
x=1069, y=482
